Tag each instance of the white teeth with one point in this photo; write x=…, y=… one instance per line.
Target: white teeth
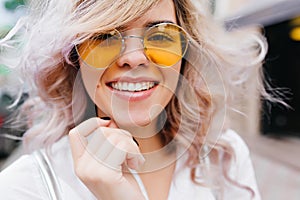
x=132, y=87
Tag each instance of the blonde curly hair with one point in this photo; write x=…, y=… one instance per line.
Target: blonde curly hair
x=216, y=66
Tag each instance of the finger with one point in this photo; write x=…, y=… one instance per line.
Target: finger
x=105, y=139
x=107, y=131
x=113, y=124
x=77, y=135
x=77, y=144
x=95, y=141
x=135, y=160
x=88, y=126
x=133, y=157
x=107, y=147
x=117, y=156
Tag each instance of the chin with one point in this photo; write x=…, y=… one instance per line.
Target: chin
x=133, y=121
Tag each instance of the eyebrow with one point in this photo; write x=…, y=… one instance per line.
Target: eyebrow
x=150, y=24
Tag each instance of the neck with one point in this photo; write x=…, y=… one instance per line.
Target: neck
x=152, y=147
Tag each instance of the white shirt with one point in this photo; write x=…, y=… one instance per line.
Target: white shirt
x=22, y=179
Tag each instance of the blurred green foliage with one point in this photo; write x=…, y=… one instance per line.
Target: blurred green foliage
x=11, y=5
x=4, y=70
x=4, y=30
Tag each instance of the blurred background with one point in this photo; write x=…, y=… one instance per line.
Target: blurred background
x=272, y=132
x=10, y=12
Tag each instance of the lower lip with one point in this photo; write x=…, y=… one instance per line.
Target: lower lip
x=133, y=96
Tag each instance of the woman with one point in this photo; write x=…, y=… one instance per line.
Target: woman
x=156, y=73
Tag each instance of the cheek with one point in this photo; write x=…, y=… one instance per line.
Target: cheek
x=171, y=77
x=90, y=78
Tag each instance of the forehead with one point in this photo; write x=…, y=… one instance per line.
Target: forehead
x=163, y=11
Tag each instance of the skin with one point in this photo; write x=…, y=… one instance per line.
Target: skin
x=102, y=161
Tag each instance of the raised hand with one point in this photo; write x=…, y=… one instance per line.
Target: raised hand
x=100, y=152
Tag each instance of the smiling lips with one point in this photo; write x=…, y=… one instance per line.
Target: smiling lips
x=132, y=87
x=133, y=91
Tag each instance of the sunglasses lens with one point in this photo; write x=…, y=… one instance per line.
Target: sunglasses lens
x=100, y=51
x=165, y=44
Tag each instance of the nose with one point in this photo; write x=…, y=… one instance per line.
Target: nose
x=133, y=53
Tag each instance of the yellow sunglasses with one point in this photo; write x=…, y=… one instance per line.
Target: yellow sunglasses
x=164, y=44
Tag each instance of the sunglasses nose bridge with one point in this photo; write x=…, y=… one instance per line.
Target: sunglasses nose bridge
x=130, y=43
